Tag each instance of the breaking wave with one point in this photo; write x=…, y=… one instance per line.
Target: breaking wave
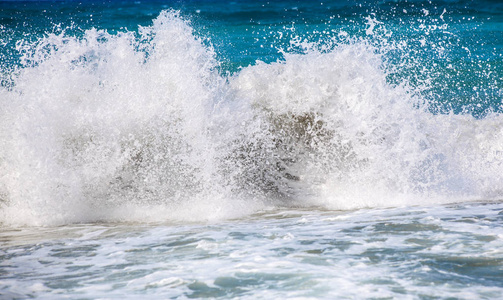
x=143, y=127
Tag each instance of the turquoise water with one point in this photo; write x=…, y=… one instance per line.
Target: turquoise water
x=251, y=149
x=460, y=48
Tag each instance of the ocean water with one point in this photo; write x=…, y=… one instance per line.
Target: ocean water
x=251, y=149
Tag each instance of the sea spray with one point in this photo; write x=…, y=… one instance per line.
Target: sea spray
x=142, y=127
x=344, y=137
x=102, y=122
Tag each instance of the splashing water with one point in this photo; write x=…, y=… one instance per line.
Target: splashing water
x=281, y=149
x=143, y=127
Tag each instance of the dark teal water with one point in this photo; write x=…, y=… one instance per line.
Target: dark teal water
x=452, y=50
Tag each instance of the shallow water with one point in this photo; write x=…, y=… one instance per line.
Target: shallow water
x=429, y=252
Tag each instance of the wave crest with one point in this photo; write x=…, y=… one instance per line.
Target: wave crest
x=143, y=128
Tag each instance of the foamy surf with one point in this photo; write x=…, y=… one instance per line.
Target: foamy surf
x=143, y=127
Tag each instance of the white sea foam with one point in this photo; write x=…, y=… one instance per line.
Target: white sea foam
x=412, y=252
x=143, y=128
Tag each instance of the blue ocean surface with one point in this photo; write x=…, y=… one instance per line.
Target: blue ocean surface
x=251, y=149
